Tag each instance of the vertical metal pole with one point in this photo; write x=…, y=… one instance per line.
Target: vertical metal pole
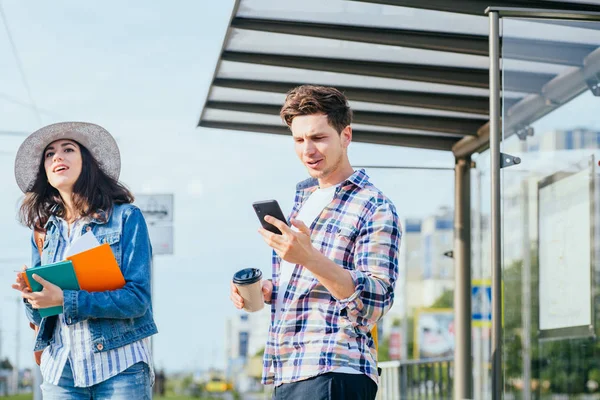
x=152, y=302
x=479, y=366
x=404, y=337
x=37, y=383
x=17, y=365
x=449, y=379
x=494, y=55
x=484, y=331
x=420, y=380
x=403, y=381
x=463, y=368
x=440, y=381
x=526, y=294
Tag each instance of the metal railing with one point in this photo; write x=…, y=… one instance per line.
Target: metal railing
x=416, y=379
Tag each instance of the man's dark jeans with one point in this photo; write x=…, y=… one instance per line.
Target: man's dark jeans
x=329, y=386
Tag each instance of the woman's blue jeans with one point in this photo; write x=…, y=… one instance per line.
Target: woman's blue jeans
x=133, y=383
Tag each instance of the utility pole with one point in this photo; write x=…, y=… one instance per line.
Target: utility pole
x=16, y=367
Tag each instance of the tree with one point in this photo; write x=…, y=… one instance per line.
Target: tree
x=6, y=365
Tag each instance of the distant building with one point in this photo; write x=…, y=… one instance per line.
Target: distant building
x=245, y=336
x=429, y=271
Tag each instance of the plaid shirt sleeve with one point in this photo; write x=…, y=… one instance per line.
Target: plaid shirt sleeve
x=376, y=262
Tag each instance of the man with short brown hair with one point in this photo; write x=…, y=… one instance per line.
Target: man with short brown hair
x=335, y=269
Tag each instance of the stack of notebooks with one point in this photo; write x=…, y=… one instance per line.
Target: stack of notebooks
x=93, y=269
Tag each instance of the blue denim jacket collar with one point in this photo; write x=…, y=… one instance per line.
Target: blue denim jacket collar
x=102, y=218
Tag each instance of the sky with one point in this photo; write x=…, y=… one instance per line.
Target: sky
x=142, y=70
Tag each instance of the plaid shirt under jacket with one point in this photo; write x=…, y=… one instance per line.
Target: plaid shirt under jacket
x=316, y=332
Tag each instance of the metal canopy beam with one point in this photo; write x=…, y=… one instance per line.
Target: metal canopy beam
x=527, y=82
x=566, y=13
x=477, y=7
x=521, y=49
x=448, y=125
x=574, y=19
x=473, y=144
x=435, y=101
x=571, y=54
x=453, y=42
x=557, y=92
x=358, y=135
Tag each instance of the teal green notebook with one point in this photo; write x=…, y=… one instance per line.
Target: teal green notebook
x=61, y=274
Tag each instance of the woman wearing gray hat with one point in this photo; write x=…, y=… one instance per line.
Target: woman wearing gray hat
x=98, y=347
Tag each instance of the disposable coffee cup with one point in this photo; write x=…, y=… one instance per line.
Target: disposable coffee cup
x=248, y=283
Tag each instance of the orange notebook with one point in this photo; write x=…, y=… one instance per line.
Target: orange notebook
x=97, y=269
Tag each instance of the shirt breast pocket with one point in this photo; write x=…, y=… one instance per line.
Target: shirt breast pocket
x=49, y=248
x=341, y=230
x=338, y=242
x=114, y=240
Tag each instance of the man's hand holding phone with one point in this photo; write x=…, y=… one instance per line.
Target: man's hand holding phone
x=292, y=245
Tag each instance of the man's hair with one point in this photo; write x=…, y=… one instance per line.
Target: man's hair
x=310, y=100
x=93, y=191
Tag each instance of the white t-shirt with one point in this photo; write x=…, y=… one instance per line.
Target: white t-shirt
x=310, y=211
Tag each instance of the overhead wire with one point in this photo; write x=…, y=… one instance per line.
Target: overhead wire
x=19, y=64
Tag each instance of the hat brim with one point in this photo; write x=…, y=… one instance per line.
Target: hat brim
x=96, y=139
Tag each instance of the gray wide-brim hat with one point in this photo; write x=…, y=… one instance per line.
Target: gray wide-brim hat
x=96, y=139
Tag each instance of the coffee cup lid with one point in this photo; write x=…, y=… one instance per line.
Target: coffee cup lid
x=247, y=276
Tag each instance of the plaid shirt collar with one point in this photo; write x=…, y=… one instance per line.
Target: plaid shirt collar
x=358, y=178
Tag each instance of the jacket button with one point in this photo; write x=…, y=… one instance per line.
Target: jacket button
x=89, y=228
x=99, y=346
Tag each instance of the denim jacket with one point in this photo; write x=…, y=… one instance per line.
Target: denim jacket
x=118, y=317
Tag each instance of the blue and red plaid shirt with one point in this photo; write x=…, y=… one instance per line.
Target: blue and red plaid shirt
x=316, y=333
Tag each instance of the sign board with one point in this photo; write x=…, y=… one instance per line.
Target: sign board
x=158, y=213
x=156, y=207
x=481, y=302
x=565, y=232
x=395, y=347
x=434, y=333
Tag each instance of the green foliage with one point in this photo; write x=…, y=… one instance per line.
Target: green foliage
x=383, y=352
x=27, y=396
x=563, y=365
x=5, y=364
x=446, y=300
x=187, y=381
x=259, y=352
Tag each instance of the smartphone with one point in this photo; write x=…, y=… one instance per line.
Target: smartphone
x=269, y=207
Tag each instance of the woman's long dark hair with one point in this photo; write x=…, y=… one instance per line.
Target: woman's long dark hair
x=94, y=191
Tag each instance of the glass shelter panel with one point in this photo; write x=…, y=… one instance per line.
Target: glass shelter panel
x=550, y=216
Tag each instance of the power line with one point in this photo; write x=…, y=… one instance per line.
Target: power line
x=14, y=100
x=404, y=167
x=19, y=64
